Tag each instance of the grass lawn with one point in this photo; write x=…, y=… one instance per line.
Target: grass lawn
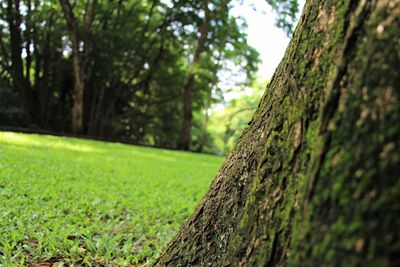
x=80, y=202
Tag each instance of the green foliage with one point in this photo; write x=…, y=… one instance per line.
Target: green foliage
x=286, y=11
x=92, y=203
x=136, y=57
x=228, y=122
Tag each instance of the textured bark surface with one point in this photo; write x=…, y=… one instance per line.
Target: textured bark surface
x=314, y=179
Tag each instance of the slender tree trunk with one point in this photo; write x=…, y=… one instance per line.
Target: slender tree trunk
x=43, y=83
x=314, y=180
x=187, y=90
x=28, y=41
x=77, y=63
x=32, y=57
x=80, y=47
x=20, y=82
x=79, y=87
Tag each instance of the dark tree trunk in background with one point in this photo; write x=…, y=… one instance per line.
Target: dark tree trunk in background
x=79, y=39
x=42, y=84
x=78, y=68
x=314, y=180
x=187, y=90
x=20, y=82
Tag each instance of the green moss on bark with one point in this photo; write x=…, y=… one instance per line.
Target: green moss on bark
x=314, y=179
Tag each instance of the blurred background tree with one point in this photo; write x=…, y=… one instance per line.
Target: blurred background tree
x=228, y=121
x=142, y=71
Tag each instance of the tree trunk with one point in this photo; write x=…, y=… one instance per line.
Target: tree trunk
x=314, y=180
x=187, y=90
x=20, y=82
x=79, y=40
x=79, y=75
x=79, y=87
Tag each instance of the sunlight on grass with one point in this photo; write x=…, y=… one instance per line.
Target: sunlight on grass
x=52, y=142
x=87, y=202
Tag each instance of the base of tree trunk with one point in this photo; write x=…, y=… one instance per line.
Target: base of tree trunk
x=314, y=180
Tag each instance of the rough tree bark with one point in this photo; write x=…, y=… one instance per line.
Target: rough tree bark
x=314, y=179
x=187, y=90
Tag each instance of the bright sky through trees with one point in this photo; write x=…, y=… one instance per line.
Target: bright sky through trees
x=263, y=35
